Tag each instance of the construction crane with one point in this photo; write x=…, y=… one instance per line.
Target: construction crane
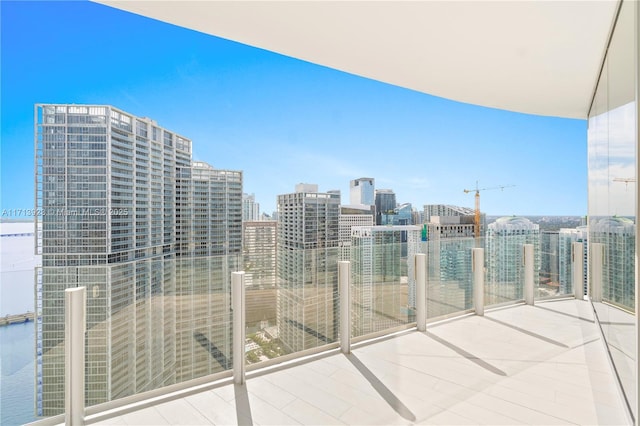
x=476, y=227
x=625, y=180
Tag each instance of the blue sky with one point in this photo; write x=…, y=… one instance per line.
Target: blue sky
x=280, y=120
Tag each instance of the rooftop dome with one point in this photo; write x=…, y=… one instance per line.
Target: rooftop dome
x=614, y=224
x=513, y=223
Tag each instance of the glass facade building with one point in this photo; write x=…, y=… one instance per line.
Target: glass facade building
x=361, y=191
x=308, y=251
x=123, y=211
x=350, y=216
x=250, y=208
x=385, y=206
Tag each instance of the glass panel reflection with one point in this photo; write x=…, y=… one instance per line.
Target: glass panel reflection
x=612, y=141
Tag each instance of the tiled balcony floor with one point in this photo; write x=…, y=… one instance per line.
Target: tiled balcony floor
x=519, y=365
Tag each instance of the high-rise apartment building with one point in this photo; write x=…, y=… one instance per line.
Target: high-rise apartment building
x=216, y=219
x=350, y=216
x=250, y=209
x=383, y=274
x=203, y=274
x=362, y=191
x=308, y=251
x=505, y=271
x=385, y=205
x=118, y=211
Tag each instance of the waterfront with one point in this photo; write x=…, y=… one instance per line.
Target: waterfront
x=17, y=373
x=17, y=261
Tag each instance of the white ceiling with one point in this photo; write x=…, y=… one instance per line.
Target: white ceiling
x=539, y=57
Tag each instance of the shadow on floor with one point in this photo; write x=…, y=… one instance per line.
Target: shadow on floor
x=243, y=408
x=530, y=333
x=382, y=390
x=565, y=314
x=479, y=361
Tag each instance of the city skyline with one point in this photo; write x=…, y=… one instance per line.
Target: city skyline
x=281, y=121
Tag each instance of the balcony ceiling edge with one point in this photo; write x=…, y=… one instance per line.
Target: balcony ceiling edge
x=536, y=57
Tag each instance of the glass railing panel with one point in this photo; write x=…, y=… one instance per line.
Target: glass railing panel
x=150, y=323
x=555, y=277
x=618, y=327
x=382, y=282
x=307, y=310
x=261, y=298
x=449, y=276
x=547, y=277
x=612, y=176
x=504, y=269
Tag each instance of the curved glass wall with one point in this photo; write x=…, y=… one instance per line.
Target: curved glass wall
x=612, y=142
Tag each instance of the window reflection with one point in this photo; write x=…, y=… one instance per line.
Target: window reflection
x=612, y=141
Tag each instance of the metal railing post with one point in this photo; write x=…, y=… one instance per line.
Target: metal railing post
x=237, y=303
x=344, y=289
x=596, y=251
x=421, y=291
x=477, y=266
x=527, y=261
x=74, y=331
x=577, y=250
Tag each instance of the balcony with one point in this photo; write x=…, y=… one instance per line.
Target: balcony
x=512, y=366
x=172, y=359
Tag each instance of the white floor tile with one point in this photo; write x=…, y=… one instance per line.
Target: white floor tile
x=307, y=414
x=146, y=416
x=523, y=368
x=180, y=412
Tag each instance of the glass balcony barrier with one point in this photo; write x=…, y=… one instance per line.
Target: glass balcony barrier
x=504, y=270
x=293, y=307
x=157, y=325
x=383, y=286
x=612, y=291
x=150, y=323
x=449, y=276
x=556, y=256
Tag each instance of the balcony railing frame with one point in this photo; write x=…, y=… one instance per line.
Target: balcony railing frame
x=346, y=342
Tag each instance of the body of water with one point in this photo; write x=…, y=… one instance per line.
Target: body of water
x=17, y=383
x=17, y=345
x=17, y=263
